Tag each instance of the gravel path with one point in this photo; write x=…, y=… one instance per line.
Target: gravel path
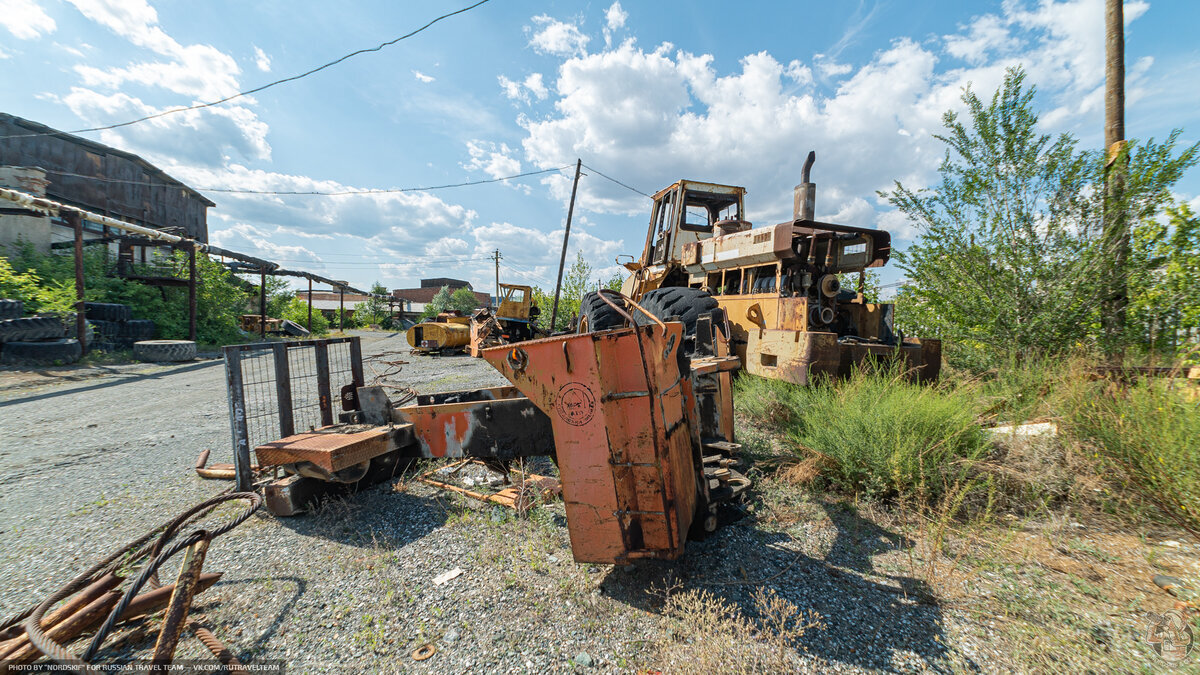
x=90, y=464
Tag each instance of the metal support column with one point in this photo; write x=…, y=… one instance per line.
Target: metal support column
x=323, y=399
x=310, y=301
x=341, y=308
x=192, y=292
x=237, y=414
x=76, y=222
x=262, y=304
x=283, y=389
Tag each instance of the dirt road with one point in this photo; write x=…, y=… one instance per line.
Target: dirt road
x=89, y=464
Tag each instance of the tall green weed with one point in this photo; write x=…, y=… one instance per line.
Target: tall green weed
x=874, y=434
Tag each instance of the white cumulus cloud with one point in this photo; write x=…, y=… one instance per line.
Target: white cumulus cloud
x=261, y=60
x=552, y=36
x=25, y=19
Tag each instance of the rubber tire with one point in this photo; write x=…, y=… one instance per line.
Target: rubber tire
x=599, y=314
x=89, y=331
x=106, y=329
x=11, y=309
x=50, y=352
x=31, y=328
x=688, y=304
x=164, y=350
x=294, y=329
x=106, y=311
x=136, y=328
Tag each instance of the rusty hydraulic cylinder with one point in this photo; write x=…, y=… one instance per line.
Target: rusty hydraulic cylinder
x=181, y=602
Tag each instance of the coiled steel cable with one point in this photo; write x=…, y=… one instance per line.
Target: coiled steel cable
x=109, y=564
x=159, y=555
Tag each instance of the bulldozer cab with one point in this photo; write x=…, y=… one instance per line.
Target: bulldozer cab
x=515, y=302
x=687, y=212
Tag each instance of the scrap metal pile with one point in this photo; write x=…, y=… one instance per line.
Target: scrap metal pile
x=639, y=420
x=102, y=600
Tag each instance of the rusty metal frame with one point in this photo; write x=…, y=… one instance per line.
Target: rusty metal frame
x=236, y=386
x=509, y=497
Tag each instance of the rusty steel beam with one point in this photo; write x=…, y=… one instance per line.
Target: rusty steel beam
x=181, y=602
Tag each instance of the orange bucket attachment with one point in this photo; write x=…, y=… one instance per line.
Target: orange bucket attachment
x=620, y=410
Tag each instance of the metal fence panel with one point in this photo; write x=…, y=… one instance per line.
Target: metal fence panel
x=277, y=389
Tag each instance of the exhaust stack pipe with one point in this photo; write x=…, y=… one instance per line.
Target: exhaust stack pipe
x=804, y=197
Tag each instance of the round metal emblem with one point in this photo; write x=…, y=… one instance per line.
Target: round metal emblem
x=576, y=404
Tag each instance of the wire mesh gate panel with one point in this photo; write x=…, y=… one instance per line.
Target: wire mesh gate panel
x=277, y=389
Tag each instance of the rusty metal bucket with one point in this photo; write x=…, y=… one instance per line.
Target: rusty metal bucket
x=619, y=406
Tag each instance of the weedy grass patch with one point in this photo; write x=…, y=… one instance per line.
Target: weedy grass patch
x=1148, y=435
x=874, y=434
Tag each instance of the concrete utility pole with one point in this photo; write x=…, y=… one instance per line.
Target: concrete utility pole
x=1116, y=225
x=562, y=261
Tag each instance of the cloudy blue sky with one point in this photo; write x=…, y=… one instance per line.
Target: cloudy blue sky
x=645, y=92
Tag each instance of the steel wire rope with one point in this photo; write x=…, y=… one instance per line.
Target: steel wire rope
x=148, y=574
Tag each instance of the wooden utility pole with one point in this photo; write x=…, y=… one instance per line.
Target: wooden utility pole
x=562, y=261
x=1115, y=236
x=342, y=309
x=496, y=257
x=76, y=221
x=310, y=304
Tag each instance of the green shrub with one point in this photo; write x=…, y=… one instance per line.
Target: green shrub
x=1148, y=435
x=874, y=434
x=219, y=299
x=297, y=310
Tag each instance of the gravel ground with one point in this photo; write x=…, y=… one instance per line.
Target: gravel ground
x=92, y=463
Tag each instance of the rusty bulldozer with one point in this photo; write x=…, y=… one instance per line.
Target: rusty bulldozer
x=779, y=285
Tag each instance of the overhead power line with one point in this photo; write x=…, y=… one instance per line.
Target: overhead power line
x=369, y=191
x=267, y=85
x=380, y=191
x=597, y=172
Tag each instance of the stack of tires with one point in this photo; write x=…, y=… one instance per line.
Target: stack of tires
x=114, y=327
x=34, y=340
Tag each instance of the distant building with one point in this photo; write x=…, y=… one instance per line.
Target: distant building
x=91, y=176
x=415, y=299
x=327, y=302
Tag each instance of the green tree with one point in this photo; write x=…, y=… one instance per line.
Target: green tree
x=374, y=311
x=438, y=304
x=279, y=296
x=871, y=287
x=348, y=321
x=1008, y=255
x=1164, y=282
x=464, y=301
x=297, y=310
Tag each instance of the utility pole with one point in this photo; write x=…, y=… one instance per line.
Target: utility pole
x=562, y=261
x=496, y=257
x=1115, y=236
